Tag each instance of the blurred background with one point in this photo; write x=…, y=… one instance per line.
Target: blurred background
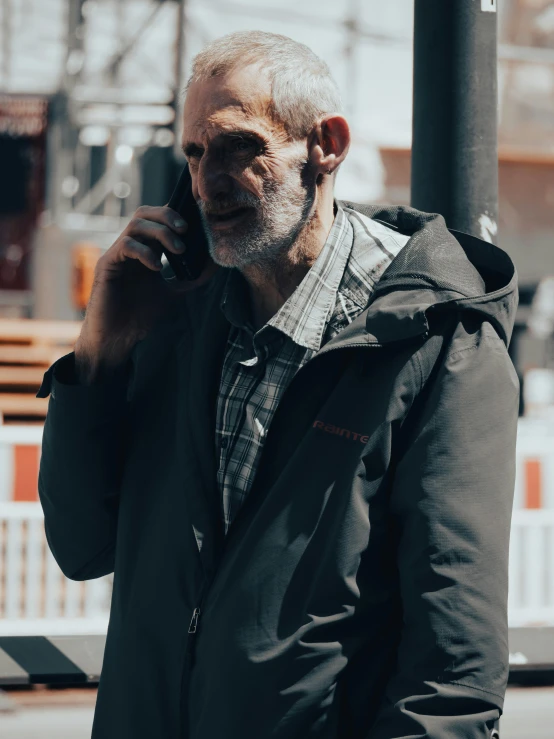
x=89, y=130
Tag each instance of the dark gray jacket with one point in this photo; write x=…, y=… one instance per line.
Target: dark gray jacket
x=361, y=592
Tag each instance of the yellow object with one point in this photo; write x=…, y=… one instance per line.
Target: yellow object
x=84, y=256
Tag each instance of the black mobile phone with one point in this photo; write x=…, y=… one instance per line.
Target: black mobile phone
x=189, y=265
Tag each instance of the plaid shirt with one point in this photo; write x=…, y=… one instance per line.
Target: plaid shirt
x=258, y=366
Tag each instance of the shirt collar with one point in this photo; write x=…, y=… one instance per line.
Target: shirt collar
x=373, y=249
x=304, y=315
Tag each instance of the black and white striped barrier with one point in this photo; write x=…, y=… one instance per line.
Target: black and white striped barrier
x=532, y=654
x=27, y=660
x=77, y=660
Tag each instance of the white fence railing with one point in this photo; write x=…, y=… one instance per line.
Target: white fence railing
x=36, y=598
x=531, y=594
x=20, y=451
x=534, y=483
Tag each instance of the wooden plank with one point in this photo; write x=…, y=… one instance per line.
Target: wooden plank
x=32, y=329
x=22, y=404
x=32, y=376
x=11, y=422
x=29, y=354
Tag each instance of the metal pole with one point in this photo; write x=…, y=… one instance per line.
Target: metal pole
x=63, y=131
x=6, y=45
x=178, y=65
x=455, y=142
x=352, y=28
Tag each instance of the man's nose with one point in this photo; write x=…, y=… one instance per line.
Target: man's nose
x=213, y=181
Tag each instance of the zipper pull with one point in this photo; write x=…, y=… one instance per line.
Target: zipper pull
x=194, y=621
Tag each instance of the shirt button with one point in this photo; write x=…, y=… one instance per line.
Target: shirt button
x=224, y=443
x=250, y=362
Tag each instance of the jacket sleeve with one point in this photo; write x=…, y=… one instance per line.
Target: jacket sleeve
x=80, y=469
x=451, y=503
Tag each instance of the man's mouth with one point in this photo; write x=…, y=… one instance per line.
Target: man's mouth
x=227, y=218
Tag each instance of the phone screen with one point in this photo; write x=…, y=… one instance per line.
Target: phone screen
x=188, y=266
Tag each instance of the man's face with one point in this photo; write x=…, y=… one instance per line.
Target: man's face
x=254, y=187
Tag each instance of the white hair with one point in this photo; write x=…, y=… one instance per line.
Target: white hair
x=302, y=87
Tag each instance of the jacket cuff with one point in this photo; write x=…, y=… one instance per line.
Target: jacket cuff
x=60, y=382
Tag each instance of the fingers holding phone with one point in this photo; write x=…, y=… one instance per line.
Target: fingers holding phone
x=129, y=294
x=190, y=265
x=151, y=232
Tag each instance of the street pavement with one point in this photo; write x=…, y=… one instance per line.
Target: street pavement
x=529, y=714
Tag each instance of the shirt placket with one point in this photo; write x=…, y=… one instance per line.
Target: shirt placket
x=247, y=376
x=245, y=416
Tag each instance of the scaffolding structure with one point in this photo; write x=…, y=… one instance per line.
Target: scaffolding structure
x=111, y=71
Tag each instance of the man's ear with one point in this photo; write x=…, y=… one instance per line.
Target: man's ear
x=329, y=143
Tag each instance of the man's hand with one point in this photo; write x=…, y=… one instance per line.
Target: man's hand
x=129, y=294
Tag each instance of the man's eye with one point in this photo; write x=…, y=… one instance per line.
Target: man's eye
x=242, y=145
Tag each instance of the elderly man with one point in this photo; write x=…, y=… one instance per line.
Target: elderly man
x=299, y=467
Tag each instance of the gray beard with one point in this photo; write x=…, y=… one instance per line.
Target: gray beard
x=281, y=214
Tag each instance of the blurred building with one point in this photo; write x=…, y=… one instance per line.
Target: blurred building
x=526, y=183
x=89, y=113
x=89, y=125
x=23, y=126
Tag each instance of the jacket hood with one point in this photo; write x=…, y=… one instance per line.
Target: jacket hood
x=437, y=267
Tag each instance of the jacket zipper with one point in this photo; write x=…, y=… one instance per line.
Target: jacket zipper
x=191, y=633
x=188, y=663
x=194, y=621
x=193, y=624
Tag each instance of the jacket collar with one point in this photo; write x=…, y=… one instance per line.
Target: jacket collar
x=398, y=310
x=438, y=267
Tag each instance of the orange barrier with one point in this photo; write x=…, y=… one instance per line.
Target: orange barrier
x=533, y=483
x=20, y=448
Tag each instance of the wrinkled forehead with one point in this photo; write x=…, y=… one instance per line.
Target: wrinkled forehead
x=238, y=98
